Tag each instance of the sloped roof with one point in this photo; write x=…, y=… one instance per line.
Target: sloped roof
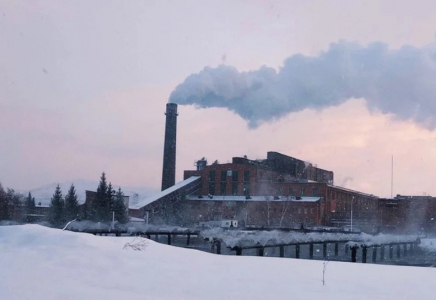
x=163, y=193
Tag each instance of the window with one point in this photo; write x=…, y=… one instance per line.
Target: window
x=302, y=192
x=234, y=175
x=234, y=188
x=311, y=211
x=291, y=192
x=246, y=188
x=223, y=188
x=212, y=188
x=305, y=211
x=246, y=176
x=223, y=176
x=211, y=175
x=315, y=192
x=299, y=210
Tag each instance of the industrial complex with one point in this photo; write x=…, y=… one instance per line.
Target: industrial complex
x=276, y=192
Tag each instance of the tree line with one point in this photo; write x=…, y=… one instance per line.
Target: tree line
x=14, y=206
x=106, y=205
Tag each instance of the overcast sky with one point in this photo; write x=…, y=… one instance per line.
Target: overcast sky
x=83, y=88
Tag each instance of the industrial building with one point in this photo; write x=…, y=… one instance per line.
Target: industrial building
x=278, y=191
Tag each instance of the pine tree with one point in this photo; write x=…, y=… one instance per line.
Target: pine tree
x=110, y=198
x=121, y=214
x=56, y=213
x=4, y=205
x=30, y=204
x=101, y=206
x=71, y=204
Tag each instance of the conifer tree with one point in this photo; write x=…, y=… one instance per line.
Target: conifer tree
x=101, y=204
x=121, y=214
x=109, y=205
x=4, y=205
x=71, y=204
x=30, y=204
x=56, y=213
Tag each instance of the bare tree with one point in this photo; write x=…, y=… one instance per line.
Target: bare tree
x=285, y=208
x=324, y=268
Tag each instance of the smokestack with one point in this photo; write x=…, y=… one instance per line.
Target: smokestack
x=169, y=158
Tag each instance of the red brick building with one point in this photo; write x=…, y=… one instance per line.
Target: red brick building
x=408, y=214
x=281, y=176
x=279, y=191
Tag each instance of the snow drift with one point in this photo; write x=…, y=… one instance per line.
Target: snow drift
x=40, y=263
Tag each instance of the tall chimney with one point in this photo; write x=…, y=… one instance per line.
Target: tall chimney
x=169, y=158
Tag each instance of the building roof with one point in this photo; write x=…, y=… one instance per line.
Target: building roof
x=163, y=193
x=253, y=198
x=351, y=191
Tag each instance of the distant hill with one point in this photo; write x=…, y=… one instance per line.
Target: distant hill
x=44, y=193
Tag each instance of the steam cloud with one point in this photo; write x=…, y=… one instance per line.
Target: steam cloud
x=401, y=82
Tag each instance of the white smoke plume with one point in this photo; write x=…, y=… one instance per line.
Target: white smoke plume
x=401, y=82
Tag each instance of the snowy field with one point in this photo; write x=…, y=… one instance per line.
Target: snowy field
x=40, y=263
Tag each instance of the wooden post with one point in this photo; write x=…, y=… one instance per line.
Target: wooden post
x=353, y=253
x=391, y=251
x=382, y=253
x=398, y=250
x=188, y=239
x=336, y=249
x=297, y=251
x=405, y=249
x=364, y=252
x=169, y=239
x=374, y=254
x=282, y=251
x=324, y=250
x=260, y=251
x=311, y=251
x=238, y=251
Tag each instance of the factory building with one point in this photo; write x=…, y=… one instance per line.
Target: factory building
x=407, y=214
x=284, y=178
x=278, y=191
x=260, y=193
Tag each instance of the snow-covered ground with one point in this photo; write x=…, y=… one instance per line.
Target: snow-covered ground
x=40, y=263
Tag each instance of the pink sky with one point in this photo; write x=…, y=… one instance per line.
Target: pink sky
x=83, y=87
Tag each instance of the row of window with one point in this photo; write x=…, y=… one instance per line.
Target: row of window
x=223, y=188
x=302, y=192
x=229, y=173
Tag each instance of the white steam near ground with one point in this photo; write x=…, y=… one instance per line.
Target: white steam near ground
x=399, y=82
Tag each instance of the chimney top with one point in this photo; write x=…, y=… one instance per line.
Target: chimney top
x=171, y=109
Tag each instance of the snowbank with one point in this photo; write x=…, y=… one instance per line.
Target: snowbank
x=241, y=238
x=428, y=244
x=41, y=263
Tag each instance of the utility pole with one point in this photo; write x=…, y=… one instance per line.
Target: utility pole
x=392, y=176
x=352, y=200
